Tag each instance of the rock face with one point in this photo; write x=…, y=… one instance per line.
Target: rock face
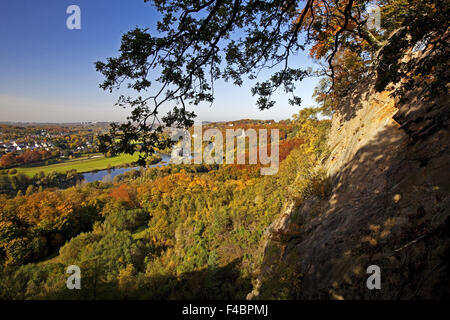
x=389, y=206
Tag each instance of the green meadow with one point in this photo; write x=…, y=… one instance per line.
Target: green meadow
x=85, y=164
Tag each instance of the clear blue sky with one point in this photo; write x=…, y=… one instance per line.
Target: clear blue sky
x=47, y=72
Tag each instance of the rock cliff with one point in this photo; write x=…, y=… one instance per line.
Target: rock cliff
x=389, y=206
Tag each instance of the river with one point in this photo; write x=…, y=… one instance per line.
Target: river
x=108, y=175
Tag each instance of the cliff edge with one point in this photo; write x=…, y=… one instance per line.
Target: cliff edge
x=389, y=206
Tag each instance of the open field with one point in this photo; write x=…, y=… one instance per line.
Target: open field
x=85, y=164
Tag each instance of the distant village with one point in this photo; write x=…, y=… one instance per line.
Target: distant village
x=44, y=142
x=20, y=144
x=14, y=146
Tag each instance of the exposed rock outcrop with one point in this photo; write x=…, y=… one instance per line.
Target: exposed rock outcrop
x=389, y=206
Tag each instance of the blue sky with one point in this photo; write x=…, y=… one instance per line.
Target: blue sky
x=47, y=72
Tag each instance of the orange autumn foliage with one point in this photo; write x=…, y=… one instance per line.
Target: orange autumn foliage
x=121, y=193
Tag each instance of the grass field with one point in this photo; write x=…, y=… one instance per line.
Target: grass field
x=85, y=164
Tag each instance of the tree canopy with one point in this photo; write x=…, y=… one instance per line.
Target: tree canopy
x=198, y=42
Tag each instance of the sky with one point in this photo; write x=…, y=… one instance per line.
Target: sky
x=47, y=71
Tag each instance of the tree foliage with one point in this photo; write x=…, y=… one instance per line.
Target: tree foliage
x=181, y=231
x=197, y=43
